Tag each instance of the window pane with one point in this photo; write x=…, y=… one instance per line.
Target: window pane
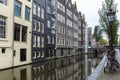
x=24, y=34
x=2, y=27
x=34, y=8
x=17, y=8
x=38, y=11
x=42, y=27
x=22, y=54
x=17, y=32
x=42, y=13
x=27, y=13
x=34, y=40
x=34, y=24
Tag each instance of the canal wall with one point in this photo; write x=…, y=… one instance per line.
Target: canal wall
x=99, y=69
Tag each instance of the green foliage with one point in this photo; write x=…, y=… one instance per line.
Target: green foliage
x=103, y=41
x=106, y=5
x=97, y=33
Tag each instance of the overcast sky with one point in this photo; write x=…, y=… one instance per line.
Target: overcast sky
x=90, y=9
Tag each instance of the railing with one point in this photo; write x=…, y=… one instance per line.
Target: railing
x=98, y=71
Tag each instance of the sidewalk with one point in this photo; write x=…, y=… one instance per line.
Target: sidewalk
x=110, y=76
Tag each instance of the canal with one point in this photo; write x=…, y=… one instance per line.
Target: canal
x=68, y=68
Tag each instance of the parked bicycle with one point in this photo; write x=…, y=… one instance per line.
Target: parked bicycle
x=111, y=64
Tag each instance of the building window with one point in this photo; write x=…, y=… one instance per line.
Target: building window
x=38, y=41
x=42, y=27
x=2, y=27
x=38, y=53
x=48, y=9
x=34, y=24
x=34, y=40
x=58, y=41
x=34, y=8
x=48, y=38
x=38, y=11
x=53, y=41
x=42, y=13
x=38, y=26
x=42, y=45
x=63, y=42
x=3, y=50
x=17, y=32
x=27, y=13
x=24, y=34
x=42, y=54
x=3, y=2
x=48, y=24
x=34, y=54
x=14, y=53
x=17, y=8
x=22, y=54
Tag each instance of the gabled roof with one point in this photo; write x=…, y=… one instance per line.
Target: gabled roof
x=74, y=5
x=69, y=3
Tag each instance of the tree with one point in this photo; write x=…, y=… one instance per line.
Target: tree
x=106, y=5
x=103, y=41
x=97, y=33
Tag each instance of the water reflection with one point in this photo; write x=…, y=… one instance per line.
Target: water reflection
x=72, y=68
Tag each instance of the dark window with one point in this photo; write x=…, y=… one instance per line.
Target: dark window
x=23, y=74
x=17, y=32
x=3, y=50
x=17, y=8
x=34, y=24
x=24, y=34
x=14, y=54
x=22, y=54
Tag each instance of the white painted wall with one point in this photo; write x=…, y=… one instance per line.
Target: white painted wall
x=6, y=58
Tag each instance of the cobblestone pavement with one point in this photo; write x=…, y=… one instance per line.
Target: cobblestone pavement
x=110, y=76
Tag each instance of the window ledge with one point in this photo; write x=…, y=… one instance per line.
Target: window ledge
x=3, y=39
x=5, y=45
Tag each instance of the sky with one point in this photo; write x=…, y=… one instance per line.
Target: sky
x=90, y=9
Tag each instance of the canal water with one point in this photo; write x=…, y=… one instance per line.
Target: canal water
x=68, y=68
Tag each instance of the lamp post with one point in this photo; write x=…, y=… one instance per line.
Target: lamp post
x=110, y=17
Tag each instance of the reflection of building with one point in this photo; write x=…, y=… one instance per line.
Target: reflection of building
x=43, y=71
x=68, y=69
x=93, y=43
x=71, y=68
x=19, y=73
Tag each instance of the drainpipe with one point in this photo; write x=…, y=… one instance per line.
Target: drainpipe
x=12, y=46
x=55, y=30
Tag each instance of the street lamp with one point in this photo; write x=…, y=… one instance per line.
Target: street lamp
x=110, y=17
x=112, y=64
